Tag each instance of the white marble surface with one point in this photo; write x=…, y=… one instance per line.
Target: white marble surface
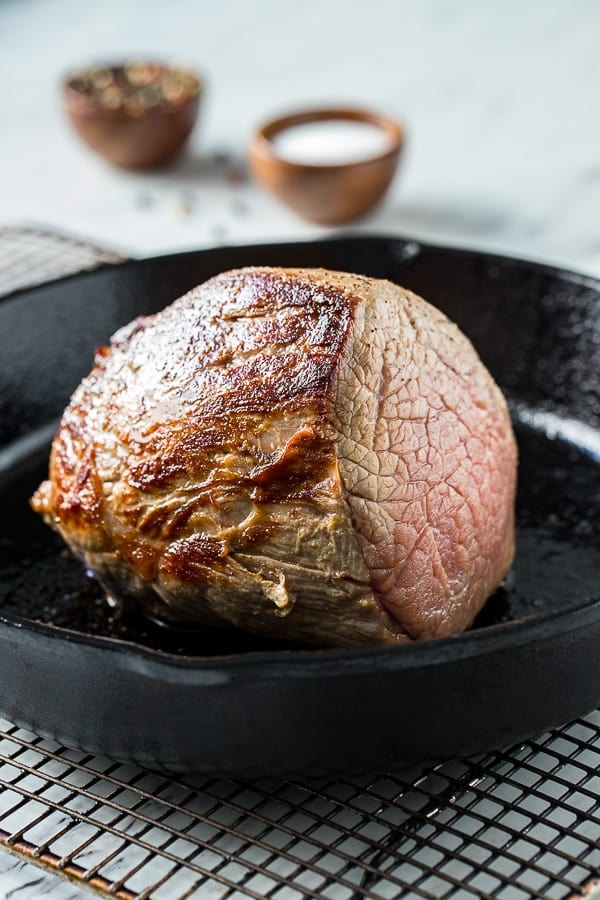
x=21, y=880
x=500, y=100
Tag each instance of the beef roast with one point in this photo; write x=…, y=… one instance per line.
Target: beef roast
x=304, y=454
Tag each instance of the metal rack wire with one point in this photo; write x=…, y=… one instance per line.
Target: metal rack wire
x=524, y=822
x=30, y=256
x=519, y=823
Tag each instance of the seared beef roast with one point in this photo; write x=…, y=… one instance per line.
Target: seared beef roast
x=304, y=454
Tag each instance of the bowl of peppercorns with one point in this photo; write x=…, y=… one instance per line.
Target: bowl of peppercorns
x=137, y=115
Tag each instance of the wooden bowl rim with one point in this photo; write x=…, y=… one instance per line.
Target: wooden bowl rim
x=262, y=145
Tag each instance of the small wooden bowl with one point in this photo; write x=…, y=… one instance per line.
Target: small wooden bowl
x=129, y=135
x=327, y=194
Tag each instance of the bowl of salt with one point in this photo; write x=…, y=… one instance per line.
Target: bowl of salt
x=329, y=165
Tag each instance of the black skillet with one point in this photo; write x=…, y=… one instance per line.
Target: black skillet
x=107, y=680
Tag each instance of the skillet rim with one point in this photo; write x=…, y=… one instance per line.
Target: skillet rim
x=403, y=657
x=571, y=275
x=504, y=635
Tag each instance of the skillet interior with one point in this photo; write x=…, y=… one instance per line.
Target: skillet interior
x=537, y=330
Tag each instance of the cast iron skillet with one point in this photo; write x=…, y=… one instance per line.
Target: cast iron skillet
x=107, y=680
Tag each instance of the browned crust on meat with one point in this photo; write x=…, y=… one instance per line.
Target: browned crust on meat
x=222, y=401
x=216, y=387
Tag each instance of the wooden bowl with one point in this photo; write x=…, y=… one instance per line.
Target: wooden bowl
x=326, y=193
x=137, y=131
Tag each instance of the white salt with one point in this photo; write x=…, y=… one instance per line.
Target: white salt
x=330, y=142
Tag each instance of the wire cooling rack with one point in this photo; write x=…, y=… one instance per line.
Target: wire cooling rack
x=31, y=256
x=520, y=823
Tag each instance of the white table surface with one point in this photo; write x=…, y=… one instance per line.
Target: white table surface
x=501, y=102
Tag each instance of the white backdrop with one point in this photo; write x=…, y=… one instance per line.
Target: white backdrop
x=501, y=102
